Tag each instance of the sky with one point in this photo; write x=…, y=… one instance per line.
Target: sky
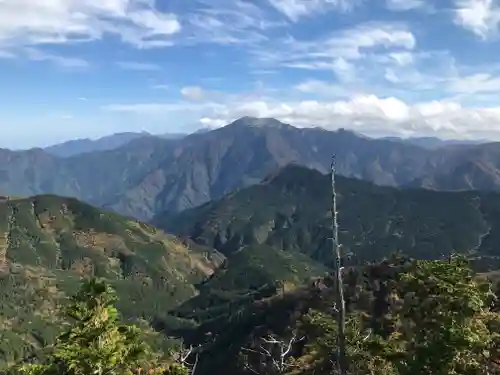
x=88, y=68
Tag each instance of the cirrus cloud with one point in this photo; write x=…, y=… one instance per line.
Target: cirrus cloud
x=136, y=22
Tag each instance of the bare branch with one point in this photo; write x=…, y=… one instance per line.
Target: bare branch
x=280, y=354
x=184, y=354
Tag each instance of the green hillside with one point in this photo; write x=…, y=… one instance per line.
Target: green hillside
x=48, y=243
x=291, y=211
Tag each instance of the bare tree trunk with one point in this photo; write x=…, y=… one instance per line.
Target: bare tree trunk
x=340, y=303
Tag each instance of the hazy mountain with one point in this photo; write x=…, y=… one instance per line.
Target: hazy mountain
x=434, y=142
x=202, y=167
x=149, y=175
x=81, y=146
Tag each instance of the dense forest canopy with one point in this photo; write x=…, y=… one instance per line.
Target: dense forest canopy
x=405, y=317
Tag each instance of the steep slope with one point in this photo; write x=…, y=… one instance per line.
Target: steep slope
x=110, y=142
x=465, y=168
x=82, y=146
x=25, y=173
x=48, y=243
x=151, y=175
x=291, y=211
x=203, y=167
x=247, y=275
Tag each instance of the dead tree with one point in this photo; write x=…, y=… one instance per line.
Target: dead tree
x=276, y=351
x=340, y=301
x=182, y=356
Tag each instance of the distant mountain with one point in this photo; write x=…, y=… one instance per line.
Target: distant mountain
x=202, y=167
x=433, y=143
x=149, y=175
x=110, y=142
x=47, y=243
x=81, y=146
x=290, y=211
x=474, y=167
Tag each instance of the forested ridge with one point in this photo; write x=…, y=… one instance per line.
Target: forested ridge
x=244, y=285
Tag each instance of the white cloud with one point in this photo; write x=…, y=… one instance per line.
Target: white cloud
x=62, y=61
x=344, y=70
x=137, y=22
x=402, y=58
x=481, y=17
x=228, y=22
x=193, y=93
x=6, y=55
x=321, y=88
x=404, y=5
x=473, y=84
x=295, y=9
x=367, y=114
x=161, y=86
x=339, y=47
x=138, y=66
x=143, y=108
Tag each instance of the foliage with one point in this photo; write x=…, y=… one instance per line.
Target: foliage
x=291, y=212
x=96, y=343
x=321, y=330
x=445, y=321
x=177, y=369
x=47, y=243
x=409, y=317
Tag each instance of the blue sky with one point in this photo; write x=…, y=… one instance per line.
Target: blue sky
x=88, y=68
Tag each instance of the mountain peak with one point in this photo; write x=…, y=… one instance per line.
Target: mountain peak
x=248, y=121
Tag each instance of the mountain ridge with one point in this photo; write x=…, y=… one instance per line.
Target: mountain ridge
x=150, y=175
x=292, y=212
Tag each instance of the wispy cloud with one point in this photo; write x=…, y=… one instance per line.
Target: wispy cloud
x=296, y=9
x=154, y=109
x=138, y=66
x=404, y=5
x=61, y=61
x=347, y=44
x=229, y=22
x=136, y=22
x=482, y=17
x=6, y=55
x=473, y=84
x=160, y=86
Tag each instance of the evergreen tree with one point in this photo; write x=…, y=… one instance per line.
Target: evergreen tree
x=96, y=343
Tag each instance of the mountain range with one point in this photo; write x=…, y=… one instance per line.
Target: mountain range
x=223, y=256
x=220, y=236
x=110, y=142
x=433, y=143
x=150, y=175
